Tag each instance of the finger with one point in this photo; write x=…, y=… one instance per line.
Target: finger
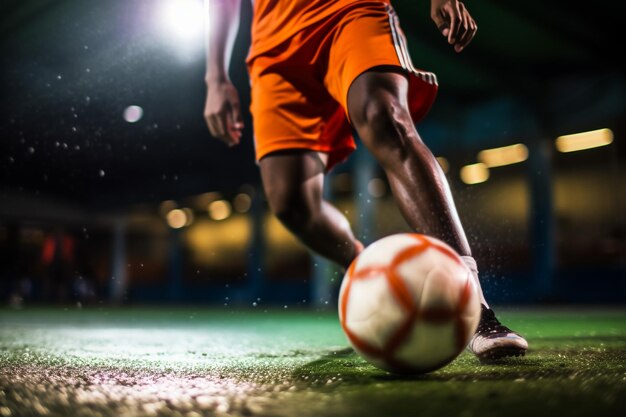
x=469, y=35
x=441, y=22
x=445, y=30
x=453, y=24
x=465, y=34
x=234, y=129
x=211, y=125
x=473, y=29
x=207, y=119
x=219, y=128
x=237, y=117
x=229, y=136
x=463, y=27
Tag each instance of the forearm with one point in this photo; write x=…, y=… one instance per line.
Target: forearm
x=221, y=31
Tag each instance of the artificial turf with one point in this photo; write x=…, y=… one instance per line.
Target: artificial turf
x=200, y=362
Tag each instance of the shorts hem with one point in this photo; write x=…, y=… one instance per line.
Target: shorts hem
x=336, y=154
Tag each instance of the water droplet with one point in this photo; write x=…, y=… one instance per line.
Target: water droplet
x=31, y=150
x=101, y=173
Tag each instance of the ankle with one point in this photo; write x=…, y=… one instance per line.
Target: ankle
x=470, y=262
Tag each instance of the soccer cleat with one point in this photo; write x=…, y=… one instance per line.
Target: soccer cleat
x=493, y=340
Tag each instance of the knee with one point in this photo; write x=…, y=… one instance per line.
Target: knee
x=384, y=124
x=289, y=207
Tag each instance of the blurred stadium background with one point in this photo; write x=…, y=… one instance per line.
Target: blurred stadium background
x=112, y=191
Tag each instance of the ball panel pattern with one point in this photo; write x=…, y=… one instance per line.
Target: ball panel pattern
x=419, y=327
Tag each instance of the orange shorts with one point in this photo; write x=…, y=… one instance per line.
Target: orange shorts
x=300, y=87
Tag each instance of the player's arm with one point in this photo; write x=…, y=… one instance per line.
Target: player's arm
x=222, y=110
x=454, y=21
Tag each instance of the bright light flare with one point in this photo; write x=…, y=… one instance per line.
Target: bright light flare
x=474, y=173
x=182, y=19
x=584, y=140
x=506, y=155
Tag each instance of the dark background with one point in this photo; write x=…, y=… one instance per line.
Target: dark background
x=82, y=191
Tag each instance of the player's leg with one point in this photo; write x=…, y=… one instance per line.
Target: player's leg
x=379, y=111
x=293, y=183
x=377, y=103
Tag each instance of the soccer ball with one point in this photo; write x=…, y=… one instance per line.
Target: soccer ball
x=408, y=304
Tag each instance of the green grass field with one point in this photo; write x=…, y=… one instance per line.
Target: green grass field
x=200, y=362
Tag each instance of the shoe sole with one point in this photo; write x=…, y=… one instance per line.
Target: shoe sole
x=501, y=352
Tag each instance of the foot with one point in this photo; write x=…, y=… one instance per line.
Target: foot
x=493, y=340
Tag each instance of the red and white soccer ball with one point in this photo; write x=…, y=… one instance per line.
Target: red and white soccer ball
x=408, y=304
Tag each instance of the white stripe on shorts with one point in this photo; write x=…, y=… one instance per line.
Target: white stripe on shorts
x=399, y=42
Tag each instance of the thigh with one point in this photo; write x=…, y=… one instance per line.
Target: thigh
x=371, y=43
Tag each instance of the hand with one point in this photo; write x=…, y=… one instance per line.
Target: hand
x=454, y=22
x=223, y=113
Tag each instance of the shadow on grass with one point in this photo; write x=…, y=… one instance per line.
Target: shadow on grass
x=347, y=365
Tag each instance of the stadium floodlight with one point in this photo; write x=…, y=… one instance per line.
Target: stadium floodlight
x=182, y=19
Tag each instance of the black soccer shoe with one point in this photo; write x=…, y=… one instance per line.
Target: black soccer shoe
x=493, y=340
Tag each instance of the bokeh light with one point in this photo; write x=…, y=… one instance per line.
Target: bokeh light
x=176, y=218
x=219, y=210
x=133, y=114
x=189, y=216
x=166, y=206
x=506, y=155
x=376, y=187
x=242, y=203
x=584, y=140
x=474, y=173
